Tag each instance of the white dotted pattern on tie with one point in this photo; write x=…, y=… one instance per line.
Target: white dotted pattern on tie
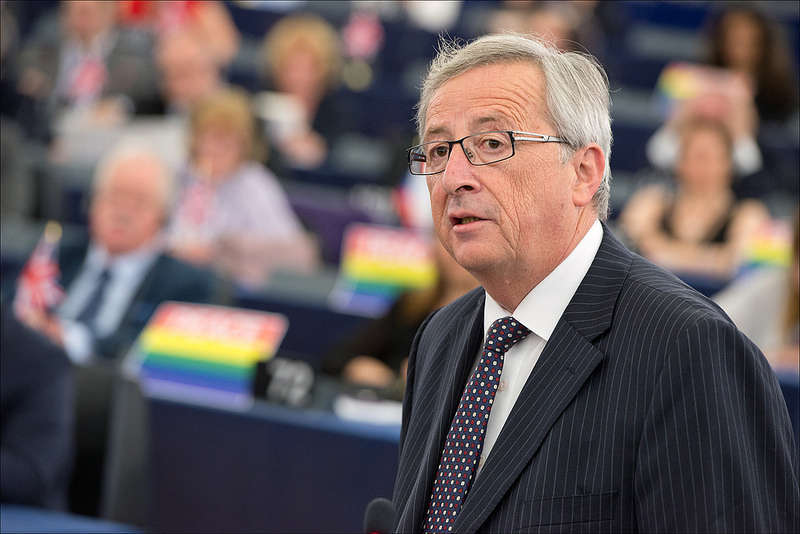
x=464, y=441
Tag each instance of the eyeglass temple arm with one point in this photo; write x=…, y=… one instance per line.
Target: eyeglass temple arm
x=525, y=136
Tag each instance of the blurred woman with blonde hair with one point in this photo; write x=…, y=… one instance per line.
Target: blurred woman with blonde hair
x=232, y=213
x=302, y=59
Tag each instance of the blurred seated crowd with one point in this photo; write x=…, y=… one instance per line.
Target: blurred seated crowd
x=193, y=150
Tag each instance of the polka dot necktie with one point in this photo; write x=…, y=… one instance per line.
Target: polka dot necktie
x=464, y=441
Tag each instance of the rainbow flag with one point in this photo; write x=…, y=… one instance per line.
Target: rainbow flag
x=378, y=262
x=207, y=353
x=770, y=246
x=680, y=81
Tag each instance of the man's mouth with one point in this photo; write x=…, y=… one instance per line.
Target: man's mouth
x=465, y=220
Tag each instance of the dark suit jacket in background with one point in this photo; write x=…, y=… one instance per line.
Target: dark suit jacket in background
x=36, y=414
x=647, y=411
x=167, y=279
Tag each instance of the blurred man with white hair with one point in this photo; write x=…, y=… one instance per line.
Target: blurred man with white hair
x=115, y=279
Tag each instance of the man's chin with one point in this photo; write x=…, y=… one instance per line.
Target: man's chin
x=115, y=247
x=474, y=259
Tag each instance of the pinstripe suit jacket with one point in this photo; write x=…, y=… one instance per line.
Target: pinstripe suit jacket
x=647, y=411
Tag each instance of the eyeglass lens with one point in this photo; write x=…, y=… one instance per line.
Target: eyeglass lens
x=480, y=149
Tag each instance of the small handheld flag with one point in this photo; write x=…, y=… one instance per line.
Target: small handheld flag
x=38, y=288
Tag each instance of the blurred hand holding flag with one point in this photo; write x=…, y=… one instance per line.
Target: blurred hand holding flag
x=38, y=288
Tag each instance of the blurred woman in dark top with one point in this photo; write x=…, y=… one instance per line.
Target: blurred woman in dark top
x=743, y=40
x=378, y=354
x=700, y=228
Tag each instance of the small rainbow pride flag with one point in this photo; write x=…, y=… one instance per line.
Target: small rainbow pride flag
x=206, y=353
x=378, y=262
x=681, y=81
x=770, y=246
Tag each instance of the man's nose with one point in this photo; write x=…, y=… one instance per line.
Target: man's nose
x=459, y=174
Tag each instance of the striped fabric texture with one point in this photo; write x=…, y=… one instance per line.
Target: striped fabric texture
x=648, y=411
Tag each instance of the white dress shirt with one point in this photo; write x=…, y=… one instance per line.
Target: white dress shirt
x=539, y=311
x=127, y=272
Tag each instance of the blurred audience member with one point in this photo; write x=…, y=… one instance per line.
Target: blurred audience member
x=117, y=278
x=724, y=97
x=744, y=41
x=16, y=185
x=302, y=59
x=36, y=415
x=752, y=80
x=377, y=355
x=210, y=19
x=721, y=96
x=189, y=71
x=700, y=228
x=82, y=61
x=232, y=212
x=553, y=21
x=765, y=305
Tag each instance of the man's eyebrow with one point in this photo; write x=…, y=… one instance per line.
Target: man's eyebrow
x=439, y=130
x=486, y=119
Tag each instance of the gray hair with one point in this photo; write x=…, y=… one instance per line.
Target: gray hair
x=576, y=88
x=133, y=150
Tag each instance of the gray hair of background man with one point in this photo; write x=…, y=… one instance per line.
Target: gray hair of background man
x=127, y=151
x=576, y=89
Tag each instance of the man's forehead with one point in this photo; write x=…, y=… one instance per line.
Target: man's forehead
x=502, y=96
x=481, y=121
x=134, y=172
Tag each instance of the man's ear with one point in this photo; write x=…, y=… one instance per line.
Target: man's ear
x=589, y=163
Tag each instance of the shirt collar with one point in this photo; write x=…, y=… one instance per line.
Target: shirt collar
x=543, y=306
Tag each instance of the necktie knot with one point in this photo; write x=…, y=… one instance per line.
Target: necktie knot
x=504, y=333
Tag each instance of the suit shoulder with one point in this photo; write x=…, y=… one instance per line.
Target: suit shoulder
x=182, y=275
x=651, y=290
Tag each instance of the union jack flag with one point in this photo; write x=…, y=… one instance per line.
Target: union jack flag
x=38, y=288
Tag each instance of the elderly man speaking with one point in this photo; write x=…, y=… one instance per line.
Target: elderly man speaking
x=581, y=389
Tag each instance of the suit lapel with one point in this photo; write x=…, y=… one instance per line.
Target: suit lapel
x=568, y=359
x=450, y=368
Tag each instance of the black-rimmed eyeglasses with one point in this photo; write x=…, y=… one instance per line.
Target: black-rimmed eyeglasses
x=481, y=149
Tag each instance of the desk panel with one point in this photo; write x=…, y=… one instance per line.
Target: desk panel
x=272, y=469
x=21, y=519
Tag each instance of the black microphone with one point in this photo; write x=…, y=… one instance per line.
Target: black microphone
x=379, y=517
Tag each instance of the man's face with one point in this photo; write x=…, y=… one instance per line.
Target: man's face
x=526, y=217
x=128, y=210
x=187, y=74
x=85, y=20
x=218, y=152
